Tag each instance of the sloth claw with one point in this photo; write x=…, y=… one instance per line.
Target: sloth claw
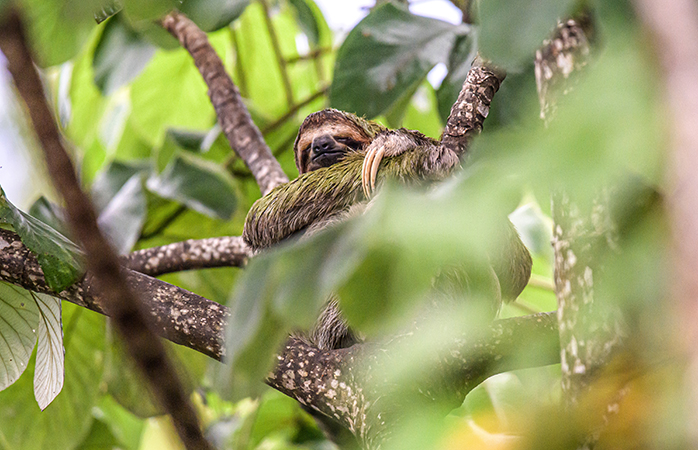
x=369, y=170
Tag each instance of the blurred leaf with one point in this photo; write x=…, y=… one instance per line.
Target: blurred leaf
x=59, y=28
x=123, y=425
x=459, y=62
x=123, y=217
x=307, y=21
x=108, y=10
x=50, y=214
x=100, y=437
x=66, y=422
x=386, y=56
x=422, y=112
x=112, y=180
x=124, y=383
x=120, y=56
x=150, y=10
x=511, y=33
x=60, y=259
x=49, y=371
x=197, y=184
x=20, y=319
x=212, y=15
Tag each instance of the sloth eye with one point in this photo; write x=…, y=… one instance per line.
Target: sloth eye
x=349, y=142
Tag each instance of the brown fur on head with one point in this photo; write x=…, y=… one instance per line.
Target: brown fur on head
x=326, y=136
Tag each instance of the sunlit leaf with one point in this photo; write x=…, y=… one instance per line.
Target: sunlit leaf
x=386, y=56
x=50, y=214
x=201, y=186
x=120, y=56
x=50, y=355
x=20, y=319
x=60, y=259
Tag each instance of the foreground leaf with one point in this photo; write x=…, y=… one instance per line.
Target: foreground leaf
x=50, y=355
x=19, y=318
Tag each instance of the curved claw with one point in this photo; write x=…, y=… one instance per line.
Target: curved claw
x=369, y=170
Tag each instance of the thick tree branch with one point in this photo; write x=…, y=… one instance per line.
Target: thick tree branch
x=235, y=120
x=226, y=251
x=346, y=384
x=129, y=318
x=471, y=108
x=178, y=315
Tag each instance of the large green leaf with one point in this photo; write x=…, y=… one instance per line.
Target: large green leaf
x=50, y=356
x=386, y=56
x=60, y=259
x=58, y=29
x=19, y=318
x=198, y=184
x=212, y=15
x=120, y=56
x=510, y=33
x=67, y=420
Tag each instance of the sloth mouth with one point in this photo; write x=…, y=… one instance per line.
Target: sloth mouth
x=327, y=158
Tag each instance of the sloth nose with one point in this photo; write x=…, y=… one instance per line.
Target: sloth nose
x=322, y=144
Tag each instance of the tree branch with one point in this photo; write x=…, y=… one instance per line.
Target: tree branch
x=226, y=251
x=119, y=300
x=471, y=108
x=346, y=385
x=178, y=315
x=235, y=120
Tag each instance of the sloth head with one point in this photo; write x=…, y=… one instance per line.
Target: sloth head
x=326, y=136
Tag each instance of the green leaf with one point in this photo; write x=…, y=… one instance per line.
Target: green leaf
x=212, y=15
x=108, y=10
x=511, y=32
x=59, y=28
x=198, y=184
x=60, y=259
x=123, y=217
x=20, y=319
x=120, y=56
x=50, y=355
x=307, y=20
x=50, y=214
x=66, y=422
x=386, y=56
x=112, y=180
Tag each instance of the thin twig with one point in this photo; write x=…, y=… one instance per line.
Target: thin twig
x=293, y=110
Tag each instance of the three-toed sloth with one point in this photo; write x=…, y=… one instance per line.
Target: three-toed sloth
x=338, y=156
